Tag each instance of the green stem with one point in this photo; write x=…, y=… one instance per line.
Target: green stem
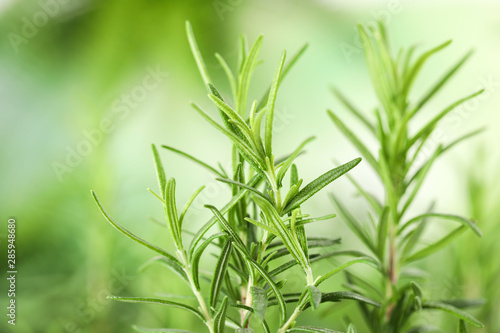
x=201, y=301
x=298, y=309
x=290, y=320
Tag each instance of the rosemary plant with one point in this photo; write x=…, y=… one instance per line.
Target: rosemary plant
x=397, y=239
x=262, y=222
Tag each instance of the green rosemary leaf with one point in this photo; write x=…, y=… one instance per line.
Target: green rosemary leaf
x=315, y=219
x=453, y=311
x=465, y=303
x=227, y=227
x=406, y=64
x=436, y=246
x=285, y=71
x=197, y=54
x=195, y=260
x=242, y=52
x=294, y=175
x=354, y=225
x=157, y=330
x=311, y=242
x=170, y=209
x=256, y=128
x=261, y=225
x=311, y=329
x=354, y=140
x=462, y=327
x=156, y=195
x=245, y=74
x=220, y=317
x=303, y=240
x=385, y=60
x=462, y=138
x=314, y=296
x=412, y=74
x=235, y=117
x=366, y=285
x=348, y=253
x=363, y=260
x=346, y=295
x=412, y=238
x=188, y=204
x=434, y=89
x=292, y=192
x=321, y=242
x=270, y=107
x=162, y=180
x=283, y=233
x=132, y=236
x=375, y=68
x=166, y=262
x=226, y=119
x=219, y=273
x=284, y=267
x=466, y=222
x=370, y=198
x=288, y=163
x=316, y=185
x=259, y=301
x=383, y=228
x=157, y=301
x=429, y=127
x=229, y=73
x=242, y=146
x=419, y=178
x=245, y=186
x=244, y=330
x=353, y=110
x=194, y=159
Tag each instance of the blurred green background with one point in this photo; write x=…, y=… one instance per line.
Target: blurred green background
x=86, y=86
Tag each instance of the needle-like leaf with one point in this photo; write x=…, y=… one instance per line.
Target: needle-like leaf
x=194, y=159
x=158, y=301
x=363, y=260
x=288, y=163
x=195, y=260
x=354, y=140
x=220, y=317
x=270, y=107
x=160, y=172
x=316, y=185
x=132, y=236
x=197, y=54
x=453, y=311
x=220, y=272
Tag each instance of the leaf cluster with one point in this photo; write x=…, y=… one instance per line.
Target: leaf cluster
x=392, y=237
x=261, y=230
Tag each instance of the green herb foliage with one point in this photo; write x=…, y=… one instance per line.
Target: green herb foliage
x=399, y=237
x=261, y=223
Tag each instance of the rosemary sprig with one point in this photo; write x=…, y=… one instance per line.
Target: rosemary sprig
x=399, y=239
